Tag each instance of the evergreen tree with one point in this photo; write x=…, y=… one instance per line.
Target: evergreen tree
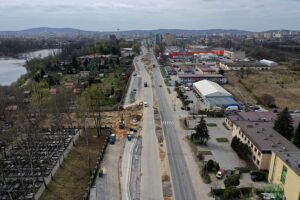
x=297, y=136
x=201, y=134
x=283, y=124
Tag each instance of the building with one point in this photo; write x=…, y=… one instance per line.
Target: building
x=169, y=39
x=246, y=65
x=170, y=70
x=203, y=69
x=186, y=69
x=284, y=171
x=256, y=130
x=234, y=55
x=213, y=95
x=268, y=63
x=192, y=78
x=125, y=52
x=158, y=39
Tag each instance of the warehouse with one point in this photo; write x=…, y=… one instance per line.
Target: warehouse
x=213, y=95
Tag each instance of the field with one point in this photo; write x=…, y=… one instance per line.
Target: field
x=283, y=85
x=72, y=178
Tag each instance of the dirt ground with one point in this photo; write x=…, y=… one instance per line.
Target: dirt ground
x=283, y=85
x=72, y=178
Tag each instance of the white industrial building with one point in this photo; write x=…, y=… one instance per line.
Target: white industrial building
x=268, y=63
x=214, y=95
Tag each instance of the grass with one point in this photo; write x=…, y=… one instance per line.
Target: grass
x=71, y=180
x=212, y=124
x=163, y=72
x=222, y=140
x=283, y=85
x=205, y=153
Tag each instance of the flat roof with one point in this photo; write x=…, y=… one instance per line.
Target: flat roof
x=292, y=159
x=200, y=76
x=222, y=101
x=264, y=137
x=266, y=116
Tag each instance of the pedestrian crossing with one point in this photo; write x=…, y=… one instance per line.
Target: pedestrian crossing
x=168, y=122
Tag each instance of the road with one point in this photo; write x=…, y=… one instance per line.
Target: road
x=151, y=185
x=182, y=185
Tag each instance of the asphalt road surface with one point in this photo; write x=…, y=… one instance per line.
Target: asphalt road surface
x=182, y=185
x=151, y=185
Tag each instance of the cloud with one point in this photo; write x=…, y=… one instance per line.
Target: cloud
x=148, y=14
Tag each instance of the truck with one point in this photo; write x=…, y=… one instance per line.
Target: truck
x=145, y=84
x=112, y=139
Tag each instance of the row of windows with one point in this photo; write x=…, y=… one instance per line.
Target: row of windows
x=249, y=143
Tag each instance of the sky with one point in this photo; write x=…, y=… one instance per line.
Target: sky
x=110, y=15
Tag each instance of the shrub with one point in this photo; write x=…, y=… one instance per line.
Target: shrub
x=231, y=193
x=200, y=156
x=205, y=175
x=212, y=166
x=231, y=181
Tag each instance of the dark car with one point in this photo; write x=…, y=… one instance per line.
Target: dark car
x=257, y=176
x=228, y=173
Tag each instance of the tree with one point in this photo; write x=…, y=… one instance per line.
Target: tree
x=221, y=71
x=201, y=134
x=232, y=181
x=234, y=143
x=268, y=100
x=297, y=136
x=283, y=124
x=231, y=193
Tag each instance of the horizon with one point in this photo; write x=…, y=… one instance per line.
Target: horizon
x=99, y=15
x=157, y=29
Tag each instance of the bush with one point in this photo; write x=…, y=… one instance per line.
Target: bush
x=234, y=143
x=231, y=193
x=232, y=181
x=242, y=150
x=200, y=156
x=205, y=175
x=212, y=166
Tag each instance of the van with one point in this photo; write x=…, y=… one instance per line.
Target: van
x=232, y=108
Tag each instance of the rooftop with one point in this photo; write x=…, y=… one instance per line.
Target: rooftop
x=264, y=137
x=292, y=159
x=254, y=116
x=212, y=89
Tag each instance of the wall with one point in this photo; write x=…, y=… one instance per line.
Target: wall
x=292, y=183
x=261, y=160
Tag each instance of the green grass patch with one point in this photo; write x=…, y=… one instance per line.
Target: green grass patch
x=205, y=153
x=222, y=140
x=212, y=124
x=163, y=72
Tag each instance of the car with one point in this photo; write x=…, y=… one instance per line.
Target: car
x=228, y=172
x=237, y=172
x=220, y=174
x=160, y=85
x=146, y=104
x=257, y=176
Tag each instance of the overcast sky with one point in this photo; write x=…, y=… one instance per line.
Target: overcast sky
x=109, y=15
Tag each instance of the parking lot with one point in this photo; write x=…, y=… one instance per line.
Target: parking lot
x=222, y=151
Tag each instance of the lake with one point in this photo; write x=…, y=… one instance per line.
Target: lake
x=11, y=68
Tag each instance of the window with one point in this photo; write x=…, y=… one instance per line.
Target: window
x=254, y=158
x=251, y=145
x=255, y=149
x=259, y=153
x=283, y=174
x=257, y=162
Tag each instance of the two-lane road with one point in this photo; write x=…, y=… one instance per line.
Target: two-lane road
x=181, y=180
